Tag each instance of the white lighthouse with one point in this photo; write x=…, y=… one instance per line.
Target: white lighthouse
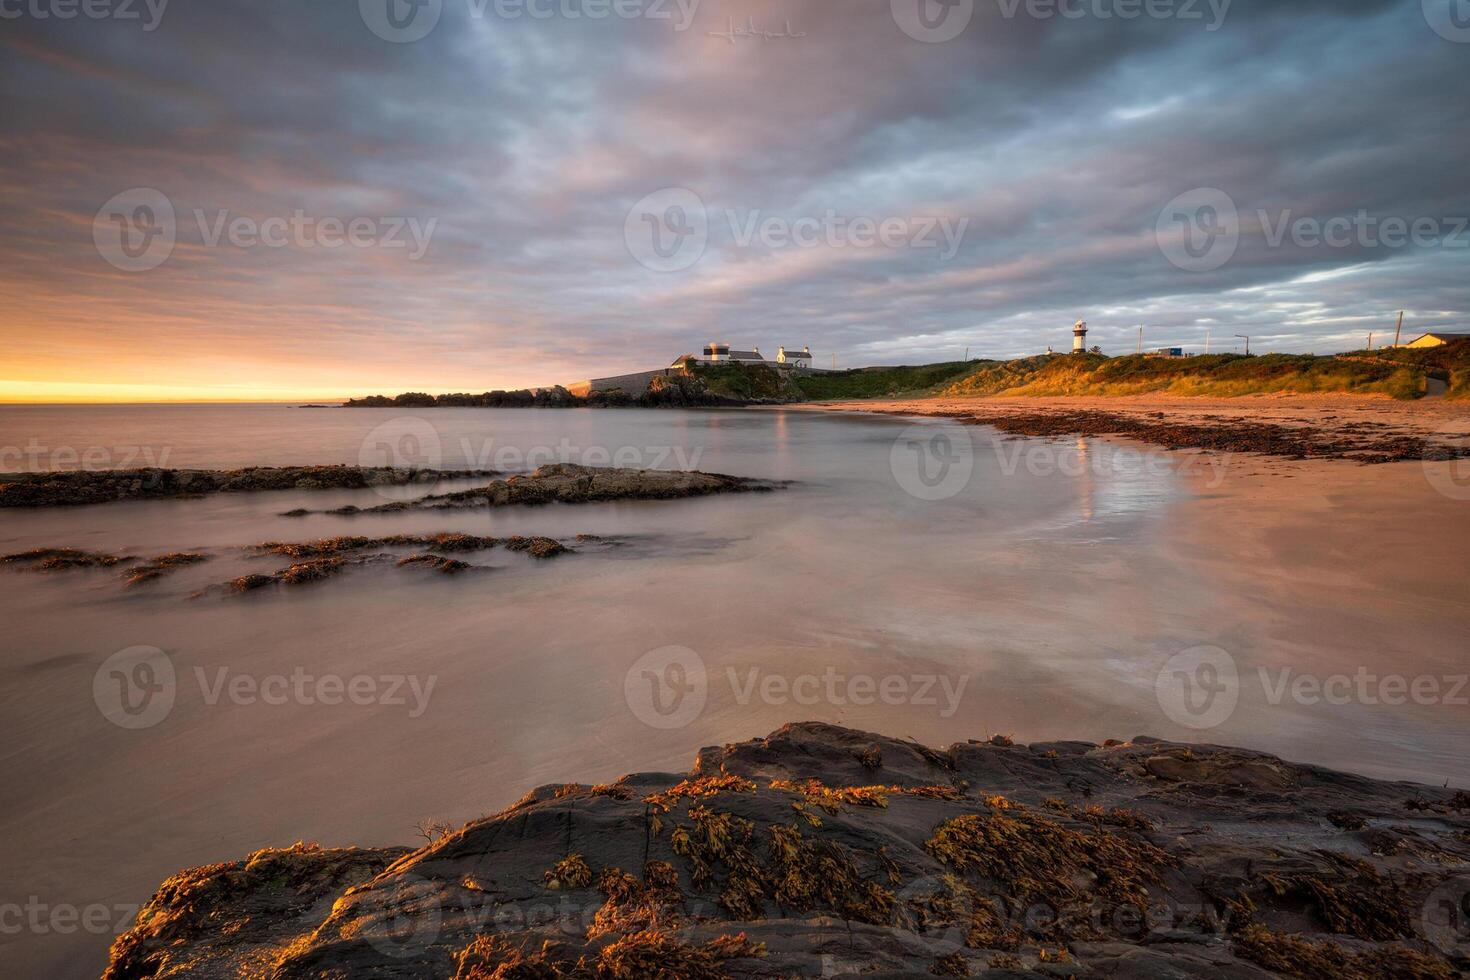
x=1079, y=337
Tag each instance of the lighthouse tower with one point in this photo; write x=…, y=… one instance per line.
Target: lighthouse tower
x=1079, y=337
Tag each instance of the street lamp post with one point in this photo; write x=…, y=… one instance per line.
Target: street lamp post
x=1247, y=344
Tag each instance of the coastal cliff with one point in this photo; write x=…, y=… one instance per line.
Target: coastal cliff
x=823, y=851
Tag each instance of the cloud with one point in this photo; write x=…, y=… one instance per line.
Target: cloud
x=526, y=139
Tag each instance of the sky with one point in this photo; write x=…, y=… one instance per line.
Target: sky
x=261, y=199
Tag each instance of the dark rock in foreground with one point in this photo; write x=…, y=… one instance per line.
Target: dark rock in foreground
x=73, y=487
x=821, y=851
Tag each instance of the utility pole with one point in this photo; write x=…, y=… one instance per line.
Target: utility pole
x=834, y=360
x=1247, y=344
x=967, y=354
x=1399, y=329
x=1207, y=340
x=1140, y=338
x=1370, y=340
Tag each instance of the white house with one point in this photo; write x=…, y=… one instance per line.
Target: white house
x=795, y=358
x=715, y=353
x=718, y=353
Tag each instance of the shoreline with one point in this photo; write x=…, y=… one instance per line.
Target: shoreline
x=1362, y=428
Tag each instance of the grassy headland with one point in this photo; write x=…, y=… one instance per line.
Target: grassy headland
x=1399, y=373
x=881, y=382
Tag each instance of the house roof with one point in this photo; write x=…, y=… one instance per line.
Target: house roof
x=1443, y=335
x=745, y=355
x=797, y=352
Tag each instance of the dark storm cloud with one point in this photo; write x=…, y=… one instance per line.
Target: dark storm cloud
x=527, y=139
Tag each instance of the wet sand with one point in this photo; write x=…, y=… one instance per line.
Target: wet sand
x=1317, y=568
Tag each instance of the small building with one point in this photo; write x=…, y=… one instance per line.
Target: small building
x=1167, y=352
x=795, y=358
x=717, y=353
x=1437, y=339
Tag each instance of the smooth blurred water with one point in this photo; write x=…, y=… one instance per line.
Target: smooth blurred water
x=1037, y=600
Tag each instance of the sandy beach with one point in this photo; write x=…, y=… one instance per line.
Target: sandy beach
x=1317, y=567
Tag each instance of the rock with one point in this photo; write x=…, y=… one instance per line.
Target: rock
x=569, y=483
x=536, y=547
x=74, y=487
x=249, y=583
x=156, y=568
x=58, y=559
x=796, y=855
x=269, y=896
x=449, y=566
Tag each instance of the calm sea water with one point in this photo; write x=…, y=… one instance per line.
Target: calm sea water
x=919, y=581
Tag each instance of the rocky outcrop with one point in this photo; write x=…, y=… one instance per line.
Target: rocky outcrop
x=311, y=561
x=73, y=487
x=758, y=384
x=569, y=483
x=822, y=851
x=64, y=559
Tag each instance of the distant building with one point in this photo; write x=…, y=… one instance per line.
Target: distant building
x=720, y=353
x=1079, y=337
x=795, y=358
x=1437, y=339
x=1167, y=352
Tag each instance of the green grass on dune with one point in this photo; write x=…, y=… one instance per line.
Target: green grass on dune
x=879, y=382
x=1397, y=373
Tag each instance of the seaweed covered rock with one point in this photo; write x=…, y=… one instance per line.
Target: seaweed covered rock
x=572, y=483
x=821, y=851
x=73, y=487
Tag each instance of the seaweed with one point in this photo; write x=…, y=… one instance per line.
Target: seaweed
x=699, y=788
x=1296, y=957
x=1034, y=858
x=634, y=904
x=1358, y=902
x=571, y=871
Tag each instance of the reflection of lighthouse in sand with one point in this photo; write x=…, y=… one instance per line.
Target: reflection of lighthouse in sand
x=1079, y=337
